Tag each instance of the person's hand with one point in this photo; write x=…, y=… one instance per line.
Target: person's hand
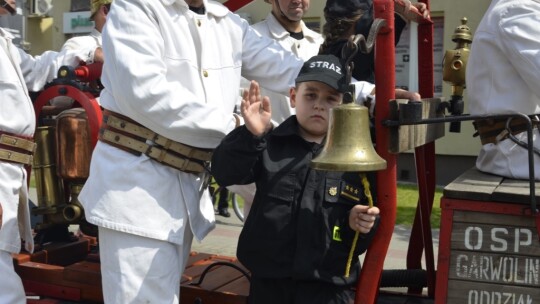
x=98, y=55
x=422, y=9
x=8, y=7
x=409, y=11
x=362, y=218
x=403, y=94
x=256, y=110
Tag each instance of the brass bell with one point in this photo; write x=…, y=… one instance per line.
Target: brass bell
x=348, y=146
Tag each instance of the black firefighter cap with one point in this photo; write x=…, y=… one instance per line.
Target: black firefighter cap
x=342, y=8
x=326, y=69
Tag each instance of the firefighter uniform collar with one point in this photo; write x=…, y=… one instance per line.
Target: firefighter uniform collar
x=213, y=8
x=278, y=32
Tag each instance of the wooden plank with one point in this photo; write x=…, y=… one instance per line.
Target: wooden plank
x=20, y=258
x=476, y=185
x=200, y=262
x=197, y=256
x=190, y=294
x=517, y=237
x=406, y=137
x=43, y=301
x=220, y=276
x=473, y=185
x=38, y=270
x=495, y=268
x=62, y=253
x=490, y=218
x=81, y=281
x=221, y=284
x=84, y=272
x=194, y=258
x=515, y=191
x=239, y=286
x=52, y=290
x=460, y=292
x=49, y=280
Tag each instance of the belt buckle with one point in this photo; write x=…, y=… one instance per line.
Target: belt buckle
x=151, y=144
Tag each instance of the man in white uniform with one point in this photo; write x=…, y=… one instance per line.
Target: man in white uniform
x=20, y=72
x=171, y=78
x=99, y=10
x=503, y=76
x=284, y=24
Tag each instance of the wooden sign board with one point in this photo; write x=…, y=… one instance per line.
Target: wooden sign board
x=494, y=258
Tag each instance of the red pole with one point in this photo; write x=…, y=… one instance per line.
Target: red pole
x=421, y=238
x=234, y=5
x=368, y=283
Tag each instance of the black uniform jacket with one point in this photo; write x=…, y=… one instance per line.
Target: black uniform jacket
x=298, y=224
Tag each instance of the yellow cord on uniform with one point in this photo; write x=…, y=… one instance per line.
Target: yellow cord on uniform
x=367, y=192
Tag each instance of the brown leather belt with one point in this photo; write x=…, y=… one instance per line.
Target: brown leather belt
x=124, y=133
x=494, y=130
x=16, y=148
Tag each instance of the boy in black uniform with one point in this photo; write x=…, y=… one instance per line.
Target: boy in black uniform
x=297, y=238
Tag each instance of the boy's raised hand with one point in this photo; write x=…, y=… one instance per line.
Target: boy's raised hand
x=256, y=110
x=362, y=218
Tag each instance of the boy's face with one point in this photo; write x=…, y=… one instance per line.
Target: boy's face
x=313, y=101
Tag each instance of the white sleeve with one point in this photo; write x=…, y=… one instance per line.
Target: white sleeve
x=519, y=31
x=41, y=69
x=364, y=92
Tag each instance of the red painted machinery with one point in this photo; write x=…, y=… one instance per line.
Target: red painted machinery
x=69, y=118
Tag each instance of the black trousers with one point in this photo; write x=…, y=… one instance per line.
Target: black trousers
x=223, y=202
x=289, y=291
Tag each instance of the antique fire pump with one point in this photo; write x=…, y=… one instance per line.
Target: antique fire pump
x=69, y=118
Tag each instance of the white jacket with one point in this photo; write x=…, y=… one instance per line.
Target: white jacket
x=177, y=73
x=20, y=72
x=304, y=49
x=503, y=76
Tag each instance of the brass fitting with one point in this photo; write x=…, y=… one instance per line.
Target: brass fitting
x=49, y=188
x=455, y=61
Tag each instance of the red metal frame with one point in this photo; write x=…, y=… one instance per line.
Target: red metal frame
x=368, y=283
x=234, y=5
x=421, y=238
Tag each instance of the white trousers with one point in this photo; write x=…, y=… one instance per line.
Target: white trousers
x=11, y=288
x=137, y=269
